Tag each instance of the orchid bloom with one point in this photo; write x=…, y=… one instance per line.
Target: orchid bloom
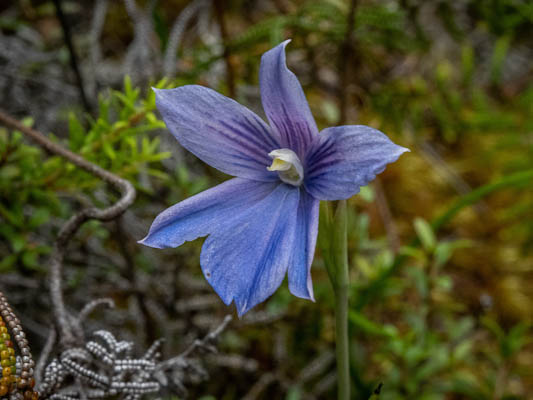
x=263, y=224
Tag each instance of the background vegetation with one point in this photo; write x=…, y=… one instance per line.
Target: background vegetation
x=441, y=245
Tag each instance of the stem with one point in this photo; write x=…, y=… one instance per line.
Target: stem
x=340, y=257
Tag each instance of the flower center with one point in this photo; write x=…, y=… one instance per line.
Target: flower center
x=288, y=166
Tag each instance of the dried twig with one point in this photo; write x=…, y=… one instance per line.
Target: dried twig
x=447, y=172
x=386, y=216
x=206, y=344
x=171, y=373
x=260, y=386
x=176, y=35
x=234, y=361
x=95, y=50
x=345, y=56
x=45, y=353
x=316, y=367
x=90, y=307
x=325, y=384
x=230, y=74
x=72, y=53
x=66, y=334
x=143, y=56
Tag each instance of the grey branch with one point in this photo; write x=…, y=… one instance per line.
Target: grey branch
x=95, y=50
x=206, y=344
x=90, y=307
x=176, y=35
x=172, y=373
x=45, y=353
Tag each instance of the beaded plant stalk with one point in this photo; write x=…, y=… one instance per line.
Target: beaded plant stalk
x=16, y=380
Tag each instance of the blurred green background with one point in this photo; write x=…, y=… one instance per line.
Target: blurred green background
x=440, y=245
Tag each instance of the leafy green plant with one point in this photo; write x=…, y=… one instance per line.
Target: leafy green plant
x=31, y=183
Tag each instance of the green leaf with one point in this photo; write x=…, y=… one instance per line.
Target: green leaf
x=425, y=234
x=369, y=327
x=499, y=55
x=76, y=132
x=13, y=215
x=276, y=32
x=39, y=216
x=519, y=179
x=467, y=63
x=493, y=326
x=436, y=362
x=463, y=350
x=515, y=339
x=18, y=242
x=8, y=262
x=461, y=328
x=9, y=172
x=376, y=393
x=294, y=393
x=445, y=250
x=413, y=252
x=30, y=259
x=109, y=150
x=158, y=174
x=330, y=111
x=27, y=121
x=420, y=279
x=367, y=194
x=159, y=156
x=444, y=283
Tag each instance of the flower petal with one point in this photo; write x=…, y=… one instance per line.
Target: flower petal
x=201, y=214
x=218, y=130
x=300, y=283
x=246, y=259
x=344, y=158
x=284, y=102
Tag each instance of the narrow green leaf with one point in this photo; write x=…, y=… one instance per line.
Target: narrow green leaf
x=369, y=327
x=7, y=262
x=425, y=233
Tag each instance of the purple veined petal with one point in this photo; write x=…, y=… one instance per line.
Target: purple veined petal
x=201, y=214
x=284, y=102
x=246, y=260
x=344, y=158
x=218, y=130
x=300, y=283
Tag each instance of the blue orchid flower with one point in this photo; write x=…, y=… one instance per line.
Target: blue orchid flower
x=263, y=224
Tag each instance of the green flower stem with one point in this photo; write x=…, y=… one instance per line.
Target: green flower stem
x=340, y=259
x=332, y=241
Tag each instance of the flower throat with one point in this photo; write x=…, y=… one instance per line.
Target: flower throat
x=288, y=166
